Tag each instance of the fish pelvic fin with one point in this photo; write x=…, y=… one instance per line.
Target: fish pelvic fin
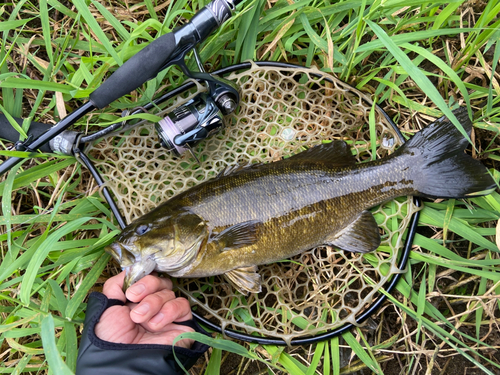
x=441, y=169
x=361, y=236
x=246, y=279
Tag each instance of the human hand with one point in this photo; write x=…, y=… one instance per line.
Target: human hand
x=149, y=318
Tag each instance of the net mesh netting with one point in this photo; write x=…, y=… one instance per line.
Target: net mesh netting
x=282, y=111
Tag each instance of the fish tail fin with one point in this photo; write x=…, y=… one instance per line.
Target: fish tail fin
x=443, y=169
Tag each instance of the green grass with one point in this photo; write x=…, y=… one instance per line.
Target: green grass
x=417, y=59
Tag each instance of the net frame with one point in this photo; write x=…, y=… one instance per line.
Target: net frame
x=237, y=329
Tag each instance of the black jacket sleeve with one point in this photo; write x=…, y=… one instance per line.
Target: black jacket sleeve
x=99, y=357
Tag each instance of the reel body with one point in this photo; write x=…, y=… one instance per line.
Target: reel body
x=197, y=119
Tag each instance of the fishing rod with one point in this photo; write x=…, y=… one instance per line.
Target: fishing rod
x=179, y=131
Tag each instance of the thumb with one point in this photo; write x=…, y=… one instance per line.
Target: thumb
x=113, y=287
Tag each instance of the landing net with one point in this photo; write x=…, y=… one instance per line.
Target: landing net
x=282, y=112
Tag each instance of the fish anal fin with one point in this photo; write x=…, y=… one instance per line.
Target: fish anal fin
x=246, y=279
x=336, y=153
x=238, y=235
x=361, y=236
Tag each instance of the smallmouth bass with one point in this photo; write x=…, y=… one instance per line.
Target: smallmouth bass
x=262, y=213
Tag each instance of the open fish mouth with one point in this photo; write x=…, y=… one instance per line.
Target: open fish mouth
x=135, y=267
x=121, y=253
x=137, y=271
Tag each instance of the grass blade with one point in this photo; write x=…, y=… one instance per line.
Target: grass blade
x=318, y=352
x=23, y=83
x=35, y=173
x=10, y=25
x=84, y=11
x=56, y=364
x=7, y=206
x=335, y=349
x=420, y=79
x=125, y=35
x=85, y=286
x=360, y=352
x=71, y=345
x=214, y=364
x=41, y=254
x=411, y=37
x=44, y=17
x=443, y=66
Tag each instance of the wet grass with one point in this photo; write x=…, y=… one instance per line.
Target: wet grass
x=417, y=59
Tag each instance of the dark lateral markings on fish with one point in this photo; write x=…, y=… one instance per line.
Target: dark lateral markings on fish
x=262, y=213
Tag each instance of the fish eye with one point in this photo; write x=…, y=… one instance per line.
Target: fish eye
x=141, y=229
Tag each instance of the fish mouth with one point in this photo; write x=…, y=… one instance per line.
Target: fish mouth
x=121, y=253
x=135, y=268
x=129, y=278
x=137, y=271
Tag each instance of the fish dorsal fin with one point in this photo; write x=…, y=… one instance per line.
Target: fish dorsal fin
x=246, y=279
x=336, y=153
x=361, y=236
x=237, y=236
x=230, y=169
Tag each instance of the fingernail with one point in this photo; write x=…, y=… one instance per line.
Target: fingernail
x=141, y=309
x=137, y=289
x=157, y=318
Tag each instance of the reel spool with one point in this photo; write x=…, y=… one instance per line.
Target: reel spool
x=284, y=109
x=195, y=120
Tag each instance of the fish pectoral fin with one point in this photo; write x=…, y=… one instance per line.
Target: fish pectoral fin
x=238, y=235
x=361, y=236
x=336, y=153
x=246, y=279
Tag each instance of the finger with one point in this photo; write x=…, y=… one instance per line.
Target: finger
x=147, y=285
x=175, y=310
x=113, y=287
x=151, y=305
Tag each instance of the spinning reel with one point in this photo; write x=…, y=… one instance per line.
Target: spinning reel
x=202, y=116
